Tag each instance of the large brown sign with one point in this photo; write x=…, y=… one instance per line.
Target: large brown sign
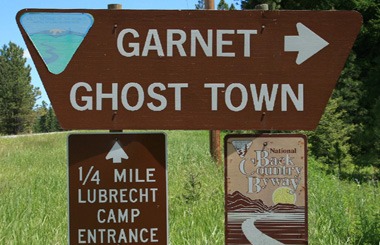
x=117, y=189
x=266, y=189
x=126, y=69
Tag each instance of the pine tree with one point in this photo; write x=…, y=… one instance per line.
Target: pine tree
x=200, y=4
x=17, y=94
x=46, y=119
x=40, y=124
x=222, y=5
x=53, y=123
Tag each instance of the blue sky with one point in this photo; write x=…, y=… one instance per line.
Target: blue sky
x=10, y=32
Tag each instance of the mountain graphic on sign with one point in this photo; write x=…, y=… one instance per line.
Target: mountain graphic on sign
x=56, y=36
x=241, y=147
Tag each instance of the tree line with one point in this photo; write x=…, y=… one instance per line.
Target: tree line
x=46, y=120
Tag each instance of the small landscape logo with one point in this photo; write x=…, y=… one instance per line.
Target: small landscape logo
x=56, y=36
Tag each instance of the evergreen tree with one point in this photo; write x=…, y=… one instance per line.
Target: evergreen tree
x=200, y=4
x=222, y=5
x=41, y=125
x=53, y=121
x=17, y=95
x=46, y=120
x=330, y=142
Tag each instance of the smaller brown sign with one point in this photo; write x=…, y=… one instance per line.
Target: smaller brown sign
x=117, y=189
x=266, y=189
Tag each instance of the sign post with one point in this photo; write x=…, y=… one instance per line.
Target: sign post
x=266, y=189
x=214, y=135
x=117, y=189
x=209, y=70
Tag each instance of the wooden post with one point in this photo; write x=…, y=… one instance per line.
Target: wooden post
x=115, y=6
x=215, y=150
x=209, y=4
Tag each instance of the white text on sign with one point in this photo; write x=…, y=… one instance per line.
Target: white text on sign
x=255, y=97
x=177, y=38
x=263, y=166
x=134, y=195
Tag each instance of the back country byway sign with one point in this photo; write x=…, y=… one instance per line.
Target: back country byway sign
x=266, y=189
x=132, y=69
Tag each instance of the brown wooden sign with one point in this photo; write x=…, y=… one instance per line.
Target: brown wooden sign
x=117, y=189
x=127, y=69
x=266, y=189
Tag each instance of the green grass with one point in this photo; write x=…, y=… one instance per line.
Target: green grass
x=342, y=212
x=33, y=195
x=196, y=190
x=33, y=190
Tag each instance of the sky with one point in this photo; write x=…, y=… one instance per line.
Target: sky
x=9, y=31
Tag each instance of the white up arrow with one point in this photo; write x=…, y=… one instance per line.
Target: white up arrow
x=307, y=43
x=116, y=153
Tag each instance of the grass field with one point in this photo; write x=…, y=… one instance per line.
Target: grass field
x=33, y=195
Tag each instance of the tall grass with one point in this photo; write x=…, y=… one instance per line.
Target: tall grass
x=196, y=191
x=33, y=190
x=33, y=195
x=342, y=212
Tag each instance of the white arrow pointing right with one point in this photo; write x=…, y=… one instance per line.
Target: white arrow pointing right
x=307, y=43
